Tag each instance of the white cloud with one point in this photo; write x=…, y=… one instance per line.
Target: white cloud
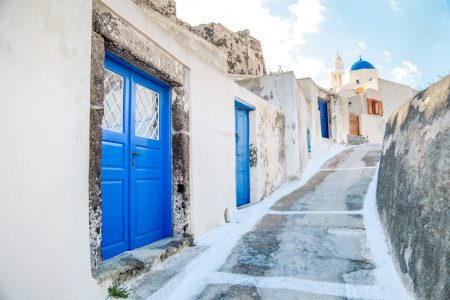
x=362, y=45
x=387, y=55
x=281, y=38
x=394, y=5
x=408, y=73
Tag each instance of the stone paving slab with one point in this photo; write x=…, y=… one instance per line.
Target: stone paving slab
x=239, y=292
x=339, y=186
x=326, y=192
x=330, y=248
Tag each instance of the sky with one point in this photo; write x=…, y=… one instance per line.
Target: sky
x=407, y=40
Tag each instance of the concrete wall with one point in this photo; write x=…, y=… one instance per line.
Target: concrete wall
x=372, y=127
x=44, y=232
x=413, y=190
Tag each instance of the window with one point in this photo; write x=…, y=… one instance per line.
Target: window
x=357, y=81
x=147, y=113
x=375, y=107
x=113, y=102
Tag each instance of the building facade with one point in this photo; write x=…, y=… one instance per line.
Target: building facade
x=140, y=142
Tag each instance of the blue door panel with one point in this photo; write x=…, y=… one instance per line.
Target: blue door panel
x=113, y=154
x=136, y=204
x=147, y=208
x=323, y=109
x=242, y=158
x=114, y=218
x=148, y=223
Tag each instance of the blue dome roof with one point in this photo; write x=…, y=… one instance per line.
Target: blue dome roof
x=361, y=64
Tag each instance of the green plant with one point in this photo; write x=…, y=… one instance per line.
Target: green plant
x=117, y=291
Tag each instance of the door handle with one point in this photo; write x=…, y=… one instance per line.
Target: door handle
x=133, y=155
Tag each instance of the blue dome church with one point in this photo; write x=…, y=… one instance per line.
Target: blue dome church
x=361, y=64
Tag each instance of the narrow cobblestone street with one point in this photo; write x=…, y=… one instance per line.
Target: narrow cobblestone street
x=310, y=244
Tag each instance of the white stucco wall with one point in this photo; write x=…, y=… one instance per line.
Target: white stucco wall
x=356, y=104
x=310, y=92
x=44, y=125
x=280, y=91
x=372, y=127
x=393, y=95
x=340, y=120
x=304, y=120
x=363, y=75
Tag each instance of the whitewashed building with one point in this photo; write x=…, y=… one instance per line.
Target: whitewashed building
x=123, y=139
x=370, y=98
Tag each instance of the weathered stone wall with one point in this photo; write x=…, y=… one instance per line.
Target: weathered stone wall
x=414, y=190
x=95, y=148
x=270, y=154
x=244, y=52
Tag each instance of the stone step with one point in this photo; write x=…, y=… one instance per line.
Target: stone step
x=138, y=261
x=166, y=277
x=356, y=140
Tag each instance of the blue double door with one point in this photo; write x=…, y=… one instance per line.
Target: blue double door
x=135, y=161
x=242, y=156
x=323, y=109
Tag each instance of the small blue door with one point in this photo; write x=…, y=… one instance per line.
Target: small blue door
x=242, y=157
x=135, y=160
x=323, y=108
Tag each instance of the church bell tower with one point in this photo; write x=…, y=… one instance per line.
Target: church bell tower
x=337, y=75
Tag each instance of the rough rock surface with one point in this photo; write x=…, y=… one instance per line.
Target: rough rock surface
x=414, y=190
x=165, y=7
x=95, y=148
x=244, y=52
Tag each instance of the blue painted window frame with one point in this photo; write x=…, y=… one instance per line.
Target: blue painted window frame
x=165, y=130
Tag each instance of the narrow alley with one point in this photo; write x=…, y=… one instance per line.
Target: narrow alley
x=208, y=150
x=310, y=244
